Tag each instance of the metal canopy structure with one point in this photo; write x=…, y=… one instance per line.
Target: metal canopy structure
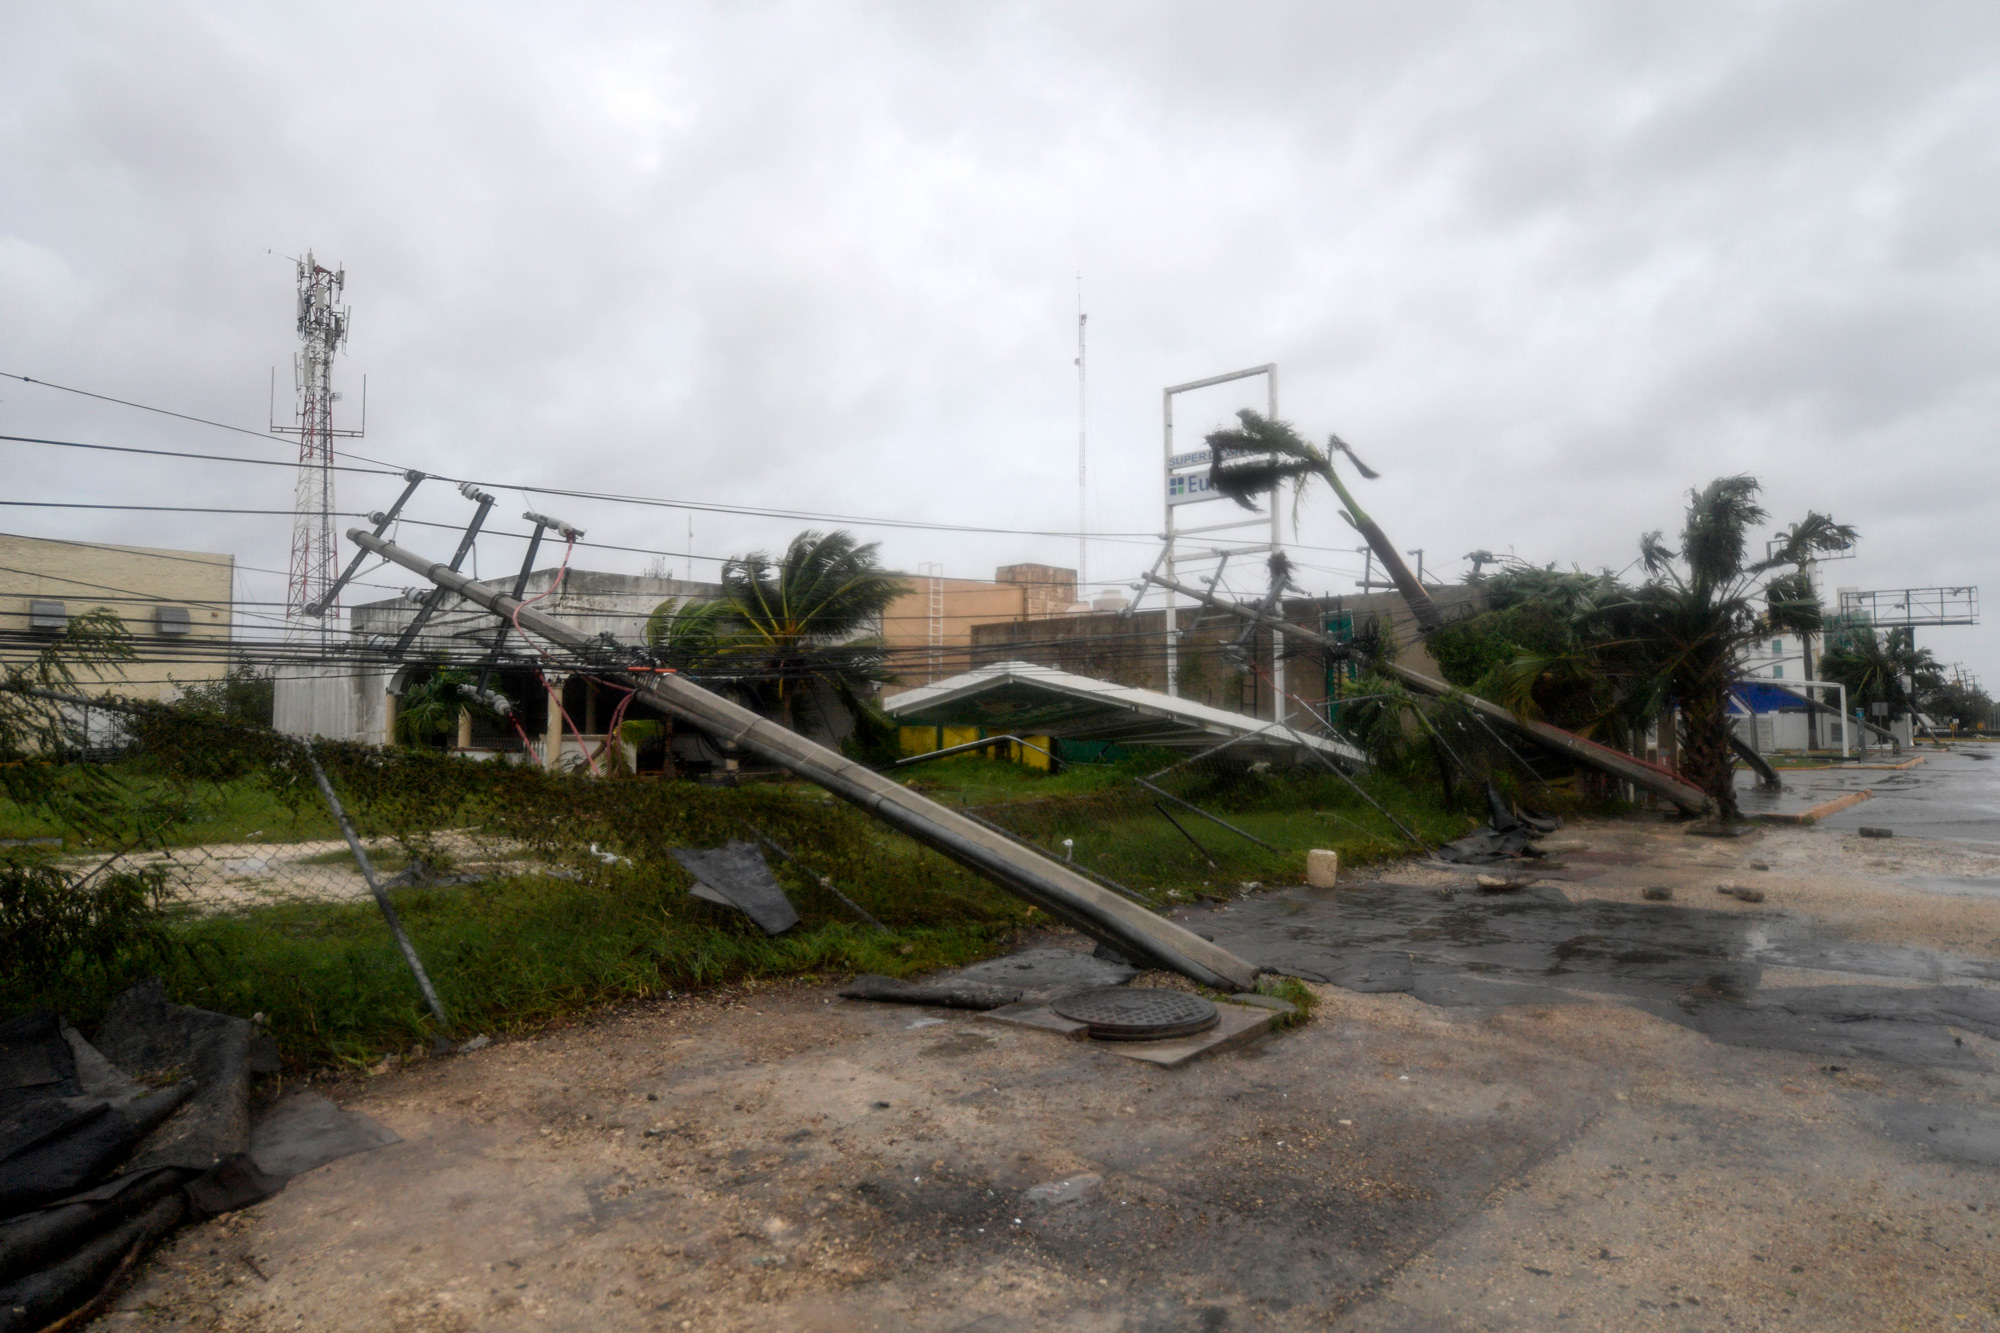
x=1036, y=700
x=1895, y=608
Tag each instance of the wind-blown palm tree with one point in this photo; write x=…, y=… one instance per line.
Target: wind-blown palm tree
x=1256, y=457
x=1888, y=670
x=787, y=625
x=1703, y=605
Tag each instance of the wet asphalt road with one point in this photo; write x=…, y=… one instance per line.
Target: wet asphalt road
x=1697, y=967
x=1953, y=795
x=1701, y=968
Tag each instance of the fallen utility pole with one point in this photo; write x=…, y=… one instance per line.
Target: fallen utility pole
x=1603, y=758
x=1048, y=884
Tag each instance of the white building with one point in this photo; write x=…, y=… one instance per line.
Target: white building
x=354, y=696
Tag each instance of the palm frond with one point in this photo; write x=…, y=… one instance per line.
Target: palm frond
x=1719, y=519
x=1336, y=444
x=1248, y=462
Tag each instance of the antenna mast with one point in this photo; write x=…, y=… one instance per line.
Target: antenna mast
x=1082, y=455
x=322, y=326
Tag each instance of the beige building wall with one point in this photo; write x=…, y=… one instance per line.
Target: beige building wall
x=1017, y=593
x=147, y=589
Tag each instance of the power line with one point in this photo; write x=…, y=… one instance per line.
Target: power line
x=183, y=453
x=701, y=506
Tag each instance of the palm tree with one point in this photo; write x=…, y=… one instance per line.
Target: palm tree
x=1888, y=670
x=1703, y=605
x=1254, y=458
x=784, y=627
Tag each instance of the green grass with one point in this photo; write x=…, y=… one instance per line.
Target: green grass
x=511, y=956
x=517, y=954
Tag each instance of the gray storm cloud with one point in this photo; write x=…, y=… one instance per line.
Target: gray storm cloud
x=1548, y=265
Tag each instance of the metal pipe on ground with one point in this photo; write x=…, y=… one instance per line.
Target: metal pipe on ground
x=1766, y=774
x=389, y=914
x=1048, y=884
x=1603, y=758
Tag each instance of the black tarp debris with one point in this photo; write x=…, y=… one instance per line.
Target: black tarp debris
x=306, y=1130
x=946, y=994
x=106, y=1146
x=736, y=875
x=1507, y=835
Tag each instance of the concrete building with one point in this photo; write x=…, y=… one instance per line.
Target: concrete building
x=355, y=697
x=1130, y=649
x=176, y=605
x=929, y=629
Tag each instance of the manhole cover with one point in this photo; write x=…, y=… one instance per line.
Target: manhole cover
x=1122, y=1013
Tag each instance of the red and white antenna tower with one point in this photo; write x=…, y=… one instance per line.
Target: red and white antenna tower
x=322, y=327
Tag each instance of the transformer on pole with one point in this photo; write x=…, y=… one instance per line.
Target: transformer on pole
x=322, y=326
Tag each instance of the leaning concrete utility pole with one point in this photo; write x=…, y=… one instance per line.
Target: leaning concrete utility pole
x=1647, y=777
x=1047, y=883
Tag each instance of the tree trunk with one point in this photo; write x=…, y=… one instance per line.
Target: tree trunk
x=1415, y=595
x=1705, y=756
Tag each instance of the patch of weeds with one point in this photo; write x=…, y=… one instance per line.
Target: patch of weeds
x=1293, y=992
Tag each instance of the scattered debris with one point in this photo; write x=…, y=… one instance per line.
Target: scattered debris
x=1657, y=895
x=1503, y=883
x=1760, y=865
x=1043, y=972
x=946, y=993
x=1506, y=836
x=1740, y=892
x=106, y=1147
x=736, y=875
x=1876, y=832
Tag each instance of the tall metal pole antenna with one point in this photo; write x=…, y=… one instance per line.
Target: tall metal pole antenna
x=1082, y=454
x=322, y=328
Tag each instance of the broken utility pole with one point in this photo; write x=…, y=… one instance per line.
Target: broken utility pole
x=1048, y=884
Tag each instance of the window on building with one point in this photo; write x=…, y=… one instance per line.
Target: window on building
x=172, y=620
x=1777, y=673
x=1777, y=647
x=46, y=616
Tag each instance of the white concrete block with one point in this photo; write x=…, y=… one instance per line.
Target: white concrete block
x=1322, y=868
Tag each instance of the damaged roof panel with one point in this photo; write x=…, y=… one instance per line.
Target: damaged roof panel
x=1037, y=700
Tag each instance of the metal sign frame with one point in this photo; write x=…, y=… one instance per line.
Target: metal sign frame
x=1899, y=608
x=1184, y=466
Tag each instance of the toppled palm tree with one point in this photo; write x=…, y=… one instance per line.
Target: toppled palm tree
x=1702, y=607
x=1263, y=453
x=786, y=626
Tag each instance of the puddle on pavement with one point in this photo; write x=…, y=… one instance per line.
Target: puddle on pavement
x=1695, y=966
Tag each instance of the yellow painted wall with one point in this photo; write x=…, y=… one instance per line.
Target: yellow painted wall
x=131, y=582
x=923, y=740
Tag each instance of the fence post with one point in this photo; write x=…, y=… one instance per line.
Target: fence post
x=381, y=895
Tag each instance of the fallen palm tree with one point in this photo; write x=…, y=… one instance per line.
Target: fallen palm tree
x=1655, y=778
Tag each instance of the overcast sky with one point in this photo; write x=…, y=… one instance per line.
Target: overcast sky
x=1546, y=266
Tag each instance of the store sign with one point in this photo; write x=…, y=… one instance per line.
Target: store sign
x=1199, y=458
x=1186, y=488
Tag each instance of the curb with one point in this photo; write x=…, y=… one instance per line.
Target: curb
x=1822, y=810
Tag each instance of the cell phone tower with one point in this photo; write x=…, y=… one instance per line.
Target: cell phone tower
x=322, y=324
